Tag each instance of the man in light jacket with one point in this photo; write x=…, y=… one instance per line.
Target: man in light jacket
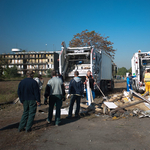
x=56, y=91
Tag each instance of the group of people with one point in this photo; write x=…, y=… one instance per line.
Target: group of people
x=146, y=79
x=29, y=95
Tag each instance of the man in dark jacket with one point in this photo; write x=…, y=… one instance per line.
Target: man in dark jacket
x=76, y=88
x=28, y=92
x=55, y=90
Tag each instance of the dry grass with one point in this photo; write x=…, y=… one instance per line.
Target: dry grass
x=8, y=90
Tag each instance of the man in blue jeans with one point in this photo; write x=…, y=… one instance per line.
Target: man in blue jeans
x=76, y=88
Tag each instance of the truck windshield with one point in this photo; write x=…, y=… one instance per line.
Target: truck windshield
x=146, y=62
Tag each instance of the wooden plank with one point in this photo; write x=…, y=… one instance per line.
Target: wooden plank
x=104, y=109
x=88, y=92
x=140, y=96
x=83, y=105
x=114, y=99
x=140, y=106
x=98, y=110
x=127, y=105
x=91, y=96
x=132, y=103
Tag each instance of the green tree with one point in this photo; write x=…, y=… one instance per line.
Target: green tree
x=3, y=62
x=49, y=71
x=122, y=71
x=1, y=71
x=130, y=70
x=82, y=39
x=11, y=72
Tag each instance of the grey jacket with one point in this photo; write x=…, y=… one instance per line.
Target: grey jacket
x=55, y=86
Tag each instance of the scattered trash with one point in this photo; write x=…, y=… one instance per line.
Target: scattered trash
x=124, y=105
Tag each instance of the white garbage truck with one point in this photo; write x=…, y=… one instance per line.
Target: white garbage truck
x=140, y=62
x=83, y=59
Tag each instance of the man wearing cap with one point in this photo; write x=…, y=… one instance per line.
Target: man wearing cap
x=28, y=92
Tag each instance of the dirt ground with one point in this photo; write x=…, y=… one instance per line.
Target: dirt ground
x=88, y=132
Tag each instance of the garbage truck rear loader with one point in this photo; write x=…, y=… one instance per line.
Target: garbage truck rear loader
x=83, y=59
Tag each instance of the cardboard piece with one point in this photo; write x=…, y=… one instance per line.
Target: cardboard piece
x=110, y=105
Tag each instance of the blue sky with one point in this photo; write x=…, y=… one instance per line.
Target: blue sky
x=31, y=24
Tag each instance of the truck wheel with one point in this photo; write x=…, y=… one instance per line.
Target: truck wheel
x=102, y=86
x=112, y=85
x=106, y=86
x=141, y=91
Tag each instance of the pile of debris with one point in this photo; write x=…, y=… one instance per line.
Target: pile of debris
x=122, y=105
x=119, y=105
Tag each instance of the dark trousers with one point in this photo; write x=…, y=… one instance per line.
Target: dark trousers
x=27, y=119
x=52, y=100
x=129, y=87
x=72, y=100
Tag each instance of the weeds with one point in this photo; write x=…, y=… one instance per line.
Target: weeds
x=8, y=91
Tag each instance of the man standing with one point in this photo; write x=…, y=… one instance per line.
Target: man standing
x=91, y=84
x=59, y=76
x=55, y=90
x=28, y=92
x=76, y=88
x=147, y=81
x=40, y=82
x=129, y=81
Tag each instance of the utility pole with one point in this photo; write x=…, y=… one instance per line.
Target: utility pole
x=46, y=46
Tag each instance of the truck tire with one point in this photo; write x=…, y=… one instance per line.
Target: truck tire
x=102, y=86
x=97, y=91
x=111, y=85
x=106, y=86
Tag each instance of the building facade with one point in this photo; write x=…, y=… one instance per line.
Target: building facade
x=36, y=61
